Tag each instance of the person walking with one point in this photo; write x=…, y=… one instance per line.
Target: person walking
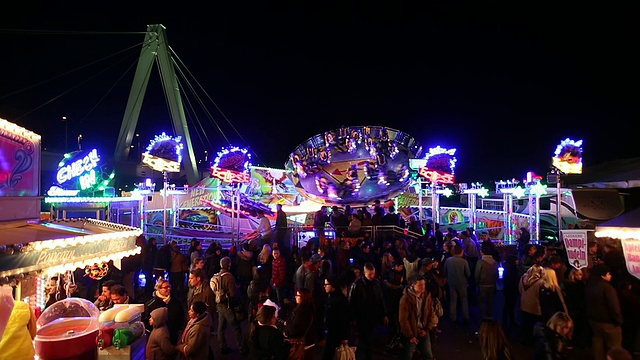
x=148, y=260
x=368, y=309
x=226, y=316
x=604, y=312
x=417, y=319
x=336, y=317
x=265, y=339
x=179, y=267
x=553, y=338
x=282, y=227
x=457, y=271
x=530, y=309
x=486, y=275
x=195, y=340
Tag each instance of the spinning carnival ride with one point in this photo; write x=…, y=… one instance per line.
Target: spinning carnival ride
x=353, y=165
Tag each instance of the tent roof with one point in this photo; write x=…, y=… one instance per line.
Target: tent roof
x=26, y=231
x=619, y=174
x=630, y=219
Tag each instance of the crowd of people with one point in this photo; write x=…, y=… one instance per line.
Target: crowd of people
x=342, y=292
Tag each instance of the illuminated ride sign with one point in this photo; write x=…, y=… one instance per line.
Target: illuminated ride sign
x=440, y=166
x=82, y=167
x=232, y=166
x=568, y=157
x=435, y=176
x=80, y=171
x=164, y=153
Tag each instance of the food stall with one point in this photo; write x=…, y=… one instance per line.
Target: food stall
x=32, y=249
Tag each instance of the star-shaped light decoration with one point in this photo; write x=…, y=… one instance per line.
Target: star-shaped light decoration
x=446, y=192
x=478, y=189
x=538, y=189
x=518, y=192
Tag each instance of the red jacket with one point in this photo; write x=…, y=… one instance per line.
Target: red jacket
x=279, y=271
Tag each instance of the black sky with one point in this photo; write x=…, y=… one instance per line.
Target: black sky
x=501, y=83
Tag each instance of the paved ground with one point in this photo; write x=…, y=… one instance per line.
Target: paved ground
x=454, y=342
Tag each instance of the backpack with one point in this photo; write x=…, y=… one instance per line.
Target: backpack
x=216, y=287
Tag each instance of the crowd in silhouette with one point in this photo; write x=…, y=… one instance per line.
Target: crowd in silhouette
x=361, y=289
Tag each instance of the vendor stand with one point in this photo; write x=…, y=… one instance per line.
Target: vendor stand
x=32, y=249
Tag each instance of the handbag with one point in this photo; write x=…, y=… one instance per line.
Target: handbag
x=296, y=351
x=437, y=307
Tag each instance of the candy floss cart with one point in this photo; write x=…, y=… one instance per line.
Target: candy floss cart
x=32, y=250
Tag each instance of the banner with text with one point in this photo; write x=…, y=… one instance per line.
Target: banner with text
x=631, y=250
x=575, y=243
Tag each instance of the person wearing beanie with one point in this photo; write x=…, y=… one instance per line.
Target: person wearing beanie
x=604, y=312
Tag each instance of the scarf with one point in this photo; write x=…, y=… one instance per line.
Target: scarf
x=183, y=339
x=166, y=299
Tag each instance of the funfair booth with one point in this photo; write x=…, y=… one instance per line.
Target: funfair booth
x=31, y=249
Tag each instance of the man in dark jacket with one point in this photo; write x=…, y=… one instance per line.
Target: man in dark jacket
x=336, y=317
x=148, y=260
x=604, y=312
x=368, y=308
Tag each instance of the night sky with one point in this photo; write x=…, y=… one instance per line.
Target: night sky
x=502, y=84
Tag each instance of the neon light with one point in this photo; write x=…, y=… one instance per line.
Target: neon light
x=230, y=176
x=518, y=192
x=441, y=155
x=164, y=153
x=446, y=192
x=87, y=180
x=436, y=177
x=227, y=156
x=58, y=191
x=568, y=157
x=78, y=167
x=56, y=200
x=538, y=189
x=483, y=192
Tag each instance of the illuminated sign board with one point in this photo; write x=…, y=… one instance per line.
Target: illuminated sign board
x=568, y=157
x=80, y=171
x=164, y=153
x=81, y=167
x=232, y=165
x=440, y=166
x=435, y=176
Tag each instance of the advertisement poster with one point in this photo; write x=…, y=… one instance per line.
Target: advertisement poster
x=575, y=242
x=631, y=250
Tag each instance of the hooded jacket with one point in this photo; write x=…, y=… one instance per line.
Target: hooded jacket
x=244, y=264
x=529, y=288
x=487, y=271
x=159, y=345
x=408, y=316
